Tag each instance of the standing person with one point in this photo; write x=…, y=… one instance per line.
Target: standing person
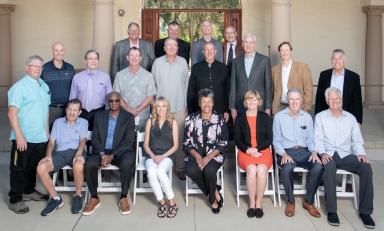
x=198, y=46
x=91, y=87
x=171, y=77
x=173, y=32
x=58, y=74
x=290, y=74
x=250, y=71
x=120, y=61
x=28, y=101
x=232, y=47
x=136, y=87
x=161, y=141
x=211, y=74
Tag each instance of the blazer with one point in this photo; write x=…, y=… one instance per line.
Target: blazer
x=259, y=80
x=352, y=100
x=263, y=131
x=123, y=137
x=120, y=61
x=183, y=51
x=299, y=77
x=239, y=50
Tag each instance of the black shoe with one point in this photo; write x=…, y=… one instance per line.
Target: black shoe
x=216, y=210
x=259, y=213
x=145, y=178
x=221, y=202
x=367, y=221
x=333, y=219
x=251, y=212
x=77, y=204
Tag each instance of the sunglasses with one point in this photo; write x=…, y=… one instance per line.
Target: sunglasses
x=114, y=100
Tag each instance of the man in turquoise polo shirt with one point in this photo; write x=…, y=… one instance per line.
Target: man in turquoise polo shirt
x=28, y=101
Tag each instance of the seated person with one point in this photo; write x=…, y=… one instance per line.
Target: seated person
x=113, y=135
x=205, y=143
x=293, y=142
x=338, y=139
x=70, y=135
x=253, y=137
x=161, y=141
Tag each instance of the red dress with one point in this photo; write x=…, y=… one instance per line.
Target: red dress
x=244, y=159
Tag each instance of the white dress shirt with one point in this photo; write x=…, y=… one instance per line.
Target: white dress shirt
x=285, y=71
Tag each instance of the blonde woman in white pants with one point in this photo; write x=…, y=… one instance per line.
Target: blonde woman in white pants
x=161, y=141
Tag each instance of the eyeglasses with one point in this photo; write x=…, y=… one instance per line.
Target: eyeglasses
x=114, y=100
x=37, y=67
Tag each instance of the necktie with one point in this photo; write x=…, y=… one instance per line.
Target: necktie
x=230, y=59
x=89, y=93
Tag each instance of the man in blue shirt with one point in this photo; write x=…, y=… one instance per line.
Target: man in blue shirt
x=70, y=135
x=28, y=101
x=58, y=76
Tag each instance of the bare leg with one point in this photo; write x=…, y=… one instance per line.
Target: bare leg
x=261, y=183
x=43, y=171
x=78, y=173
x=251, y=184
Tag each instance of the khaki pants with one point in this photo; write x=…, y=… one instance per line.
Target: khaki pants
x=179, y=154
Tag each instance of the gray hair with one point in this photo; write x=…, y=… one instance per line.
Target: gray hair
x=133, y=24
x=206, y=92
x=337, y=51
x=91, y=51
x=294, y=89
x=332, y=89
x=206, y=20
x=113, y=93
x=250, y=35
x=34, y=57
x=75, y=101
x=168, y=39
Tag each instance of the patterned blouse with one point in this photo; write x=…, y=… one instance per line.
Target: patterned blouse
x=217, y=135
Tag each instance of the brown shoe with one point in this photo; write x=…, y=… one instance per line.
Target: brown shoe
x=181, y=175
x=290, y=209
x=348, y=187
x=311, y=209
x=124, y=206
x=91, y=206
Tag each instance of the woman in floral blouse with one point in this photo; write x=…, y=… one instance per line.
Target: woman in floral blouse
x=205, y=143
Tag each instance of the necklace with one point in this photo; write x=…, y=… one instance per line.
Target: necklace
x=206, y=122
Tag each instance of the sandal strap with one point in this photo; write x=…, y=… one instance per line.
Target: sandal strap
x=172, y=210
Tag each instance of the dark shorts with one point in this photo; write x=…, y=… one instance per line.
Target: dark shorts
x=61, y=159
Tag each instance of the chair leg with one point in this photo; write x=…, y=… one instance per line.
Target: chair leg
x=354, y=191
x=278, y=186
x=273, y=188
x=237, y=185
x=134, y=188
x=186, y=190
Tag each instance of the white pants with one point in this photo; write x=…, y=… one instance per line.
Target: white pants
x=157, y=177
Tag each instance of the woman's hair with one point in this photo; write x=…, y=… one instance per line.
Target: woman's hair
x=168, y=116
x=250, y=95
x=206, y=92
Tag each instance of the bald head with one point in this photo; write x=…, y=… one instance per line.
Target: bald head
x=58, y=51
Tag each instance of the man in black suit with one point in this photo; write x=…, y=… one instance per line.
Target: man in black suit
x=173, y=32
x=348, y=82
x=113, y=135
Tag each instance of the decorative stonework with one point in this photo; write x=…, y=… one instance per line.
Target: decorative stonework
x=7, y=8
x=373, y=10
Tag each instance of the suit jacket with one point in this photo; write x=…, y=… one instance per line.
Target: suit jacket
x=352, y=100
x=239, y=50
x=123, y=137
x=183, y=51
x=299, y=77
x=263, y=132
x=259, y=80
x=121, y=51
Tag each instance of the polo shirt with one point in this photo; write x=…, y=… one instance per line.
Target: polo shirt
x=68, y=136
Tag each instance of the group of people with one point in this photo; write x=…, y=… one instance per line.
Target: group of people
x=232, y=91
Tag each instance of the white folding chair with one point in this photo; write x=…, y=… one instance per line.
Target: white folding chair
x=241, y=189
x=298, y=189
x=340, y=190
x=192, y=188
x=139, y=185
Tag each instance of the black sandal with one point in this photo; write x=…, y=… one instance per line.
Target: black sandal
x=172, y=212
x=161, y=211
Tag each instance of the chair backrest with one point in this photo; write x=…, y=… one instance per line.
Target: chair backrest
x=139, y=152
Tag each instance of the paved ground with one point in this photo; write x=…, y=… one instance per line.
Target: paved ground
x=196, y=216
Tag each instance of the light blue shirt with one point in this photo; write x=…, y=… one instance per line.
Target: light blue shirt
x=111, y=130
x=68, y=136
x=32, y=100
x=248, y=62
x=338, y=82
x=338, y=134
x=289, y=131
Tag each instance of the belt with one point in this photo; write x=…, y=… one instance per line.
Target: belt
x=98, y=109
x=295, y=147
x=58, y=105
x=285, y=104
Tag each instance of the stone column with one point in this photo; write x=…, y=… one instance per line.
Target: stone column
x=104, y=33
x=280, y=27
x=5, y=52
x=373, y=58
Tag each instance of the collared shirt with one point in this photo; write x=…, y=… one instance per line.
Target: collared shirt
x=233, y=49
x=101, y=88
x=131, y=44
x=111, y=131
x=198, y=47
x=171, y=81
x=285, y=71
x=248, y=62
x=135, y=88
x=289, y=131
x=59, y=81
x=339, y=134
x=338, y=81
x=68, y=136
x=32, y=100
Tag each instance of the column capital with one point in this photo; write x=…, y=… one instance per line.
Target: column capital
x=6, y=9
x=104, y=2
x=280, y=2
x=373, y=10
